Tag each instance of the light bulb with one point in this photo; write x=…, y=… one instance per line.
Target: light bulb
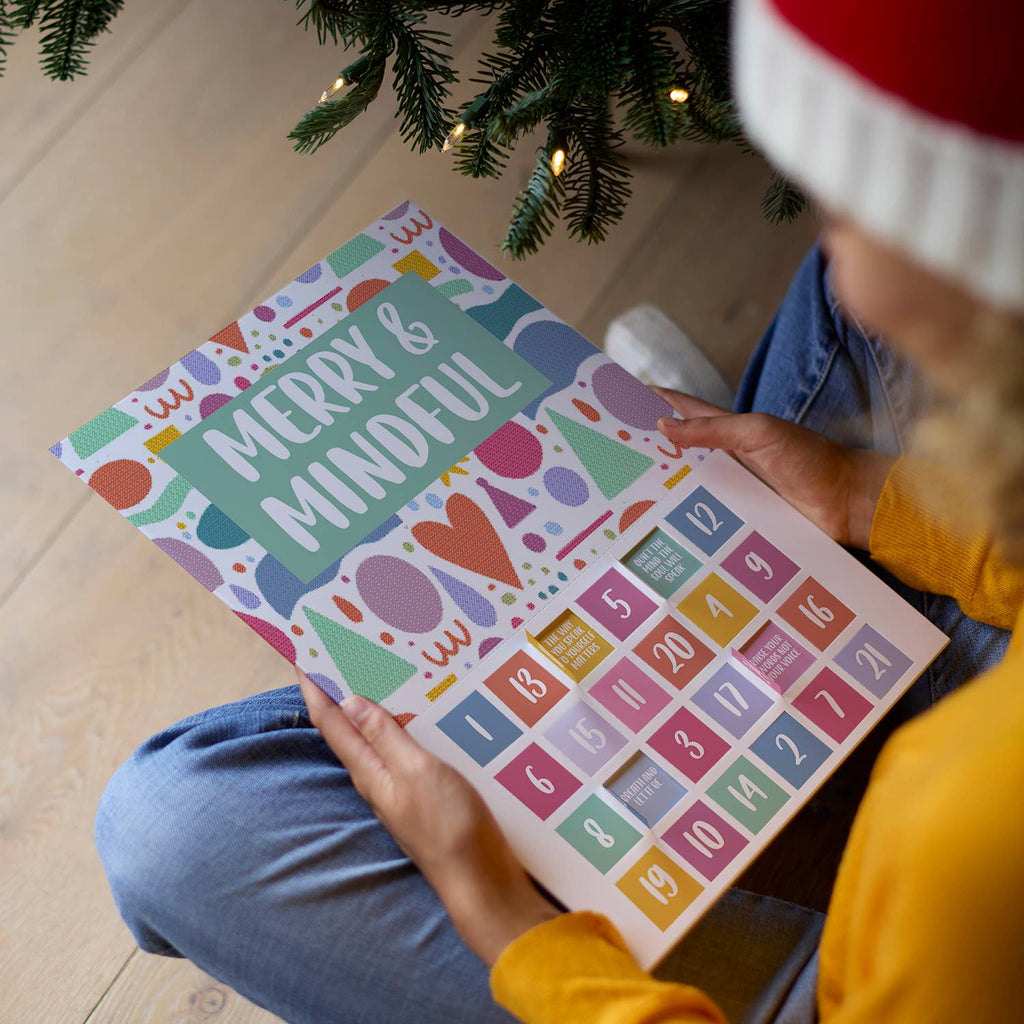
x=679, y=95
x=333, y=89
x=558, y=161
x=454, y=137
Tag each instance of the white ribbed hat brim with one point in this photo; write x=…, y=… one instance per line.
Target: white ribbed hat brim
x=949, y=197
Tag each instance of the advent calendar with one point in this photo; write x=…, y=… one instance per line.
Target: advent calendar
x=419, y=485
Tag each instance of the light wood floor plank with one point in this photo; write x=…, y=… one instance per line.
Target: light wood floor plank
x=161, y=991
x=35, y=111
x=104, y=643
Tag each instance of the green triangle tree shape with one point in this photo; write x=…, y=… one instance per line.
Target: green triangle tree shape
x=366, y=668
x=613, y=465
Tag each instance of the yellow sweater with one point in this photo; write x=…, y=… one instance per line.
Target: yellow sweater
x=926, y=922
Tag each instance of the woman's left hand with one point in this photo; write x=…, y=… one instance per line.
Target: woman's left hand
x=438, y=820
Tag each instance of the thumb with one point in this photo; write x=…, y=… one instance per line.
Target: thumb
x=689, y=405
x=733, y=432
x=385, y=737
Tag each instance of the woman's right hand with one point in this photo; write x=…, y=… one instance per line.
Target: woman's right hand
x=834, y=486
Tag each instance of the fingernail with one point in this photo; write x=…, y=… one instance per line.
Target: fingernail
x=357, y=708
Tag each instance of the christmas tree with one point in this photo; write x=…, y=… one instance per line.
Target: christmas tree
x=582, y=75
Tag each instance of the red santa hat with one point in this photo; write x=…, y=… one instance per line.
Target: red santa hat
x=905, y=115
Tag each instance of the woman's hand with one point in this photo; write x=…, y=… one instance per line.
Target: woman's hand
x=438, y=820
x=836, y=487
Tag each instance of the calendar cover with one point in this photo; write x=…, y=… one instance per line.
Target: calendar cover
x=419, y=485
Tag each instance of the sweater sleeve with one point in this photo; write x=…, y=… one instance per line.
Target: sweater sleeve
x=575, y=968
x=925, y=551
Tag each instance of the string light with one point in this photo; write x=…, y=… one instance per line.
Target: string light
x=465, y=122
x=332, y=90
x=679, y=95
x=454, y=137
x=558, y=143
x=347, y=76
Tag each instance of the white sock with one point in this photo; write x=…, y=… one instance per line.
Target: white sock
x=644, y=341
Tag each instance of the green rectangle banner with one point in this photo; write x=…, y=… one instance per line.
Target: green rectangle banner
x=317, y=453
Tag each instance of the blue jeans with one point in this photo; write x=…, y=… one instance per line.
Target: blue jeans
x=820, y=369
x=235, y=838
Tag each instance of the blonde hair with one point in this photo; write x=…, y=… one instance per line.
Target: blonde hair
x=978, y=436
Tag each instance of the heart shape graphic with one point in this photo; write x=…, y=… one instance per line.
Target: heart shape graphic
x=471, y=541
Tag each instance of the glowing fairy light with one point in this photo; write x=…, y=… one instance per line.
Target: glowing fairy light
x=466, y=122
x=454, y=137
x=333, y=89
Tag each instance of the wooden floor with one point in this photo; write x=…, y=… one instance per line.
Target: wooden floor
x=141, y=208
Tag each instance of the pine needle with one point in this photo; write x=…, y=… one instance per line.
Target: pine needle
x=783, y=201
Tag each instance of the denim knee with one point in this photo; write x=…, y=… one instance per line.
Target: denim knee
x=134, y=848
x=173, y=822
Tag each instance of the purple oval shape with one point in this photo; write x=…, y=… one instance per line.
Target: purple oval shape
x=534, y=541
x=328, y=685
x=194, y=562
x=204, y=369
x=627, y=399
x=399, y=594
x=246, y=598
x=566, y=486
x=474, y=606
x=265, y=313
x=467, y=258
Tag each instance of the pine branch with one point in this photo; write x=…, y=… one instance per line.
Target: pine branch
x=654, y=71
x=711, y=120
x=704, y=29
x=452, y=8
x=505, y=74
x=783, y=201
x=98, y=15
x=519, y=22
x=588, y=46
x=523, y=115
x=24, y=12
x=560, y=62
x=332, y=19
x=7, y=33
x=479, y=155
x=508, y=74
x=322, y=123
x=597, y=181
x=422, y=75
x=665, y=11
x=534, y=212
x=64, y=42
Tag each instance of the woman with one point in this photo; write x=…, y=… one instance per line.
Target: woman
x=235, y=838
